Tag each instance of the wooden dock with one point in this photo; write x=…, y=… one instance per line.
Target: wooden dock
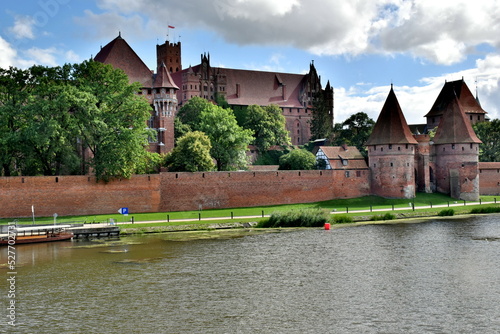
x=95, y=231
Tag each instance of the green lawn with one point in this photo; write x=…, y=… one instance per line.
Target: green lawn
x=362, y=203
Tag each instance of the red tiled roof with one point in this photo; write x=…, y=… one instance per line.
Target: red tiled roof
x=336, y=155
x=454, y=127
x=391, y=126
x=120, y=55
x=163, y=78
x=451, y=90
x=257, y=87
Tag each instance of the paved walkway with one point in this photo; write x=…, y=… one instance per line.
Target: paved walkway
x=410, y=206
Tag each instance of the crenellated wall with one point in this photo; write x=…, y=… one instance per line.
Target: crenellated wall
x=82, y=195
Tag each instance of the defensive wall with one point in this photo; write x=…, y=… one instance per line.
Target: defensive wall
x=82, y=195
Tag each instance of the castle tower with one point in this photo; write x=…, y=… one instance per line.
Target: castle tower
x=391, y=153
x=456, y=151
x=455, y=90
x=170, y=55
x=165, y=107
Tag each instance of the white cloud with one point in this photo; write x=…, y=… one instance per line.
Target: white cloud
x=416, y=101
x=443, y=31
x=23, y=27
x=7, y=54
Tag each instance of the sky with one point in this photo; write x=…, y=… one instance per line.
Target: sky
x=360, y=46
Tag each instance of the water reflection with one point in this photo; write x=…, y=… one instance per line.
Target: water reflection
x=433, y=277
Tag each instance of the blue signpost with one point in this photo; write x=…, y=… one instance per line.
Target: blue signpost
x=123, y=211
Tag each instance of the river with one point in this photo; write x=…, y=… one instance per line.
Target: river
x=438, y=276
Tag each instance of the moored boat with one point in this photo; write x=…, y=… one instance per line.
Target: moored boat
x=33, y=234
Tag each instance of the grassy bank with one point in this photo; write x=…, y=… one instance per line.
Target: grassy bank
x=424, y=205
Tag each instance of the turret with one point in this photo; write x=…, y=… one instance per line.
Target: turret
x=456, y=150
x=391, y=153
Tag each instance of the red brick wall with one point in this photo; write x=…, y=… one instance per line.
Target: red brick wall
x=81, y=195
x=489, y=179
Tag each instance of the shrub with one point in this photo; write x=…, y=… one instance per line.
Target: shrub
x=387, y=216
x=447, y=212
x=296, y=218
x=341, y=219
x=488, y=209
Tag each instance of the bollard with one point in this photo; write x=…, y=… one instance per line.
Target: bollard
x=199, y=216
x=327, y=226
x=371, y=208
x=262, y=213
x=393, y=207
x=346, y=209
x=431, y=205
x=132, y=219
x=232, y=215
x=168, y=218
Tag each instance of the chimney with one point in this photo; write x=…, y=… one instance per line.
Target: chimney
x=344, y=146
x=283, y=87
x=238, y=90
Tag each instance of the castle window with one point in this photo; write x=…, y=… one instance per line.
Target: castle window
x=471, y=146
x=347, y=174
x=470, y=117
x=149, y=91
x=374, y=165
x=390, y=146
x=392, y=164
x=452, y=146
x=399, y=148
x=381, y=149
x=358, y=173
x=406, y=146
x=463, y=148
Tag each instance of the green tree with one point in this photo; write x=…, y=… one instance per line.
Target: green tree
x=191, y=154
x=110, y=118
x=321, y=122
x=229, y=140
x=268, y=125
x=298, y=160
x=189, y=113
x=489, y=133
x=14, y=94
x=354, y=131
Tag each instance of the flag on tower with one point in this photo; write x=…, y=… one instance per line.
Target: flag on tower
x=171, y=27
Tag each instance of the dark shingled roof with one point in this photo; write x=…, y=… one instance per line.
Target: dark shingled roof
x=455, y=89
x=454, y=127
x=391, y=126
x=120, y=55
x=336, y=155
x=163, y=78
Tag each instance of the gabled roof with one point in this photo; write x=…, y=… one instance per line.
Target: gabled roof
x=391, y=126
x=163, y=79
x=455, y=89
x=336, y=156
x=120, y=55
x=454, y=127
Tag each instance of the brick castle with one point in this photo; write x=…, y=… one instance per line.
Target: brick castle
x=402, y=158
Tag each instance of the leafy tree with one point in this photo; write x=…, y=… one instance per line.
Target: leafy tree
x=191, y=154
x=189, y=113
x=180, y=129
x=268, y=125
x=229, y=140
x=489, y=133
x=354, y=131
x=321, y=121
x=298, y=160
x=110, y=118
x=14, y=94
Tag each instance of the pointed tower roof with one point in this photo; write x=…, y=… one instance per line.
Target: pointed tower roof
x=163, y=78
x=451, y=90
x=454, y=127
x=391, y=126
x=120, y=55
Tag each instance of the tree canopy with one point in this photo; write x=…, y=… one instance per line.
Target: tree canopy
x=354, y=131
x=299, y=159
x=489, y=133
x=51, y=115
x=191, y=154
x=321, y=122
x=268, y=125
